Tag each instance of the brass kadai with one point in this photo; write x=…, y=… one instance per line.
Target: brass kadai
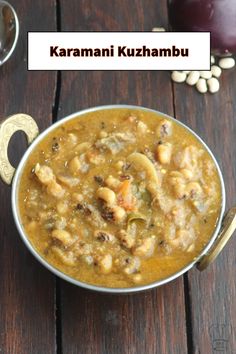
x=22, y=122
x=8, y=127
x=227, y=230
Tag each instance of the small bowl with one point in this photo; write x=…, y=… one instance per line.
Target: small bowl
x=9, y=31
x=220, y=234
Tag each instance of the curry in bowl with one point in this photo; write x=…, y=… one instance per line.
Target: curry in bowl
x=119, y=197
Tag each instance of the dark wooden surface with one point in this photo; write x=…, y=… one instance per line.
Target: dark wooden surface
x=27, y=290
x=40, y=314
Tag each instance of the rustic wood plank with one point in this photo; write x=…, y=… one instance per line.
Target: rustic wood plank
x=151, y=322
x=27, y=314
x=213, y=292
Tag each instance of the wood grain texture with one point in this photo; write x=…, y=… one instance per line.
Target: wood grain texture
x=146, y=323
x=27, y=323
x=213, y=292
x=140, y=323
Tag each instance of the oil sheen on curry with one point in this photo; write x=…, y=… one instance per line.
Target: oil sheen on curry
x=119, y=198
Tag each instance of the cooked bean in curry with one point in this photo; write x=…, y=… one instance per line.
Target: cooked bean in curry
x=119, y=197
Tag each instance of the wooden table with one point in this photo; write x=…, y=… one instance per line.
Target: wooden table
x=40, y=314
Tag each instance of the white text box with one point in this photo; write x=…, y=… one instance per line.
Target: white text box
x=119, y=51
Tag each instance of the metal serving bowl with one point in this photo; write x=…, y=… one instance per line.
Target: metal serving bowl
x=220, y=235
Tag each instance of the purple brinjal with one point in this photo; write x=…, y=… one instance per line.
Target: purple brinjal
x=216, y=16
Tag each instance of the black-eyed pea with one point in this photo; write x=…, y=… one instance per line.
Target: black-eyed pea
x=132, y=265
x=56, y=190
x=107, y=195
x=63, y=236
x=68, y=258
x=74, y=165
x=68, y=180
x=180, y=190
x=126, y=239
x=194, y=190
x=113, y=182
x=87, y=259
x=145, y=248
x=104, y=263
x=44, y=173
x=82, y=249
x=119, y=214
x=164, y=152
x=164, y=129
x=104, y=236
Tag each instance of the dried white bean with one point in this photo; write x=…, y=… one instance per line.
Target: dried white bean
x=158, y=29
x=213, y=85
x=216, y=71
x=227, y=63
x=193, y=78
x=212, y=59
x=201, y=86
x=206, y=74
x=186, y=71
x=178, y=76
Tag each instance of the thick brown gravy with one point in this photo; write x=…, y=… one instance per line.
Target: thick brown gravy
x=119, y=197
